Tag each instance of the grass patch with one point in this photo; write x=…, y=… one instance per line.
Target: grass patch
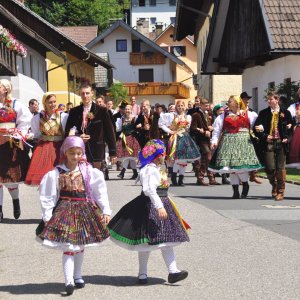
x=291, y=174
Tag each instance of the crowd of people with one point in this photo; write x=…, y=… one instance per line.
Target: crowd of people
x=62, y=149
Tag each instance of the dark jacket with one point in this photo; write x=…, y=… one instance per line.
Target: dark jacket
x=99, y=128
x=199, y=121
x=265, y=118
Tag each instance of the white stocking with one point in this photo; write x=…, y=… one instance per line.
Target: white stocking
x=125, y=163
x=182, y=170
x=1, y=194
x=234, y=179
x=133, y=164
x=68, y=266
x=13, y=189
x=78, y=261
x=169, y=258
x=143, y=262
x=243, y=176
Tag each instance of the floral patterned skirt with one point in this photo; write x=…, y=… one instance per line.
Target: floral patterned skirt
x=132, y=143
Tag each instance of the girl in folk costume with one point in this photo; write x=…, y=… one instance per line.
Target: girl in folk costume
x=234, y=152
x=127, y=146
x=294, y=155
x=48, y=127
x=151, y=221
x=14, y=160
x=75, y=209
x=182, y=147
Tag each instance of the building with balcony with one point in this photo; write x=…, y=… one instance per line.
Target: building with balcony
x=146, y=69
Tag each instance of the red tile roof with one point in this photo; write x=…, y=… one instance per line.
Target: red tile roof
x=284, y=22
x=80, y=34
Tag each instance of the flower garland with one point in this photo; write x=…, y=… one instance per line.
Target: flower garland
x=11, y=43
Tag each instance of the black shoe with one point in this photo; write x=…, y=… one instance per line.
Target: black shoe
x=175, y=277
x=106, y=177
x=80, y=284
x=180, y=180
x=135, y=174
x=69, y=289
x=121, y=175
x=174, y=179
x=224, y=179
x=1, y=217
x=245, y=190
x=143, y=280
x=17, y=209
x=236, y=193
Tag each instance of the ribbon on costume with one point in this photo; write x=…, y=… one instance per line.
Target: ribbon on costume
x=185, y=225
x=123, y=137
x=16, y=134
x=173, y=141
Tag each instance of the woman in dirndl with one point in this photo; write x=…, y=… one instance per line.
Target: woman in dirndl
x=127, y=145
x=14, y=160
x=181, y=148
x=234, y=151
x=75, y=209
x=48, y=127
x=151, y=221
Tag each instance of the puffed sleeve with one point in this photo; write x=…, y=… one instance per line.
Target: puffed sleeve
x=218, y=125
x=24, y=117
x=64, y=118
x=150, y=179
x=49, y=193
x=189, y=120
x=99, y=190
x=35, y=126
x=163, y=121
x=119, y=125
x=252, y=115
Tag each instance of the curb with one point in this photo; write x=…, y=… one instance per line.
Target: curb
x=288, y=181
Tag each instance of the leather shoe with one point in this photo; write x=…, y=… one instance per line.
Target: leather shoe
x=256, y=180
x=79, y=283
x=279, y=197
x=69, y=289
x=201, y=182
x=143, y=279
x=175, y=277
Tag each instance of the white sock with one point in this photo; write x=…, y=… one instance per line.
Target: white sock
x=1, y=194
x=169, y=258
x=13, y=189
x=143, y=263
x=78, y=260
x=68, y=266
x=234, y=179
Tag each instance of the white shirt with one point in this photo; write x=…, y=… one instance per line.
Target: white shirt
x=49, y=191
x=150, y=180
x=292, y=109
x=218, y=125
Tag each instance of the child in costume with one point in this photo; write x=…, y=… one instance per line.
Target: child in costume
x=75, y=209
x=151, y=221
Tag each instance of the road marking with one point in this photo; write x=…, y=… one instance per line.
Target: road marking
x=281, y=206
x=282, y=215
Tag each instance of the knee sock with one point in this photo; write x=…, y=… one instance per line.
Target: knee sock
x=1, y=195
x=13, y=189
x=78, y=261
x=125, y=163
x=143, y=262
x=133, y=163
x=169, y=258
x=234, y=179
x=243, y=176
x=68, y=266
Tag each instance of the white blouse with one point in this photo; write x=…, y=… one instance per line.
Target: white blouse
x=218, y=125
x=150, y=180
x=35, y=123
x=49, y=191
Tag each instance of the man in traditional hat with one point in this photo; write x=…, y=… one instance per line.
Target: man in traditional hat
x=246, y=99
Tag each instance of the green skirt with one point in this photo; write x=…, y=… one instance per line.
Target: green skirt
x=235, y=154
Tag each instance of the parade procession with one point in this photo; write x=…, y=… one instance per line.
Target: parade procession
x=132, y=127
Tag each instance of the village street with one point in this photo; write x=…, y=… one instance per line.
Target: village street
x=227, y=257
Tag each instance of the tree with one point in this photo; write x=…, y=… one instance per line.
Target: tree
x=117, y=93
x=79, y=12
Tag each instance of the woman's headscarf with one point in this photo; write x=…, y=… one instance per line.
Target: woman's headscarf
x=8, y=86
x=239, y=102
x=151, y=150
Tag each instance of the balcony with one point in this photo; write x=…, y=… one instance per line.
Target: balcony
x=147, y=58
x=174, y=89
x=8, y=66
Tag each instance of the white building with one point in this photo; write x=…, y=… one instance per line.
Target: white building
x=152, y=15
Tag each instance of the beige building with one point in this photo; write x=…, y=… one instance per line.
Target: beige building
x=186, y=51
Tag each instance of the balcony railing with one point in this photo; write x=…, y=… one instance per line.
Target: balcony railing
x=147, y=58
x=174, y=89
x=8, y=65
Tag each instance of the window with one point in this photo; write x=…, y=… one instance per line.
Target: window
x=152, y=2
x=146, y=75
x=136, y=46
x=271, y=85
x=255, y=99
x=142, y=2
x=172, y=20
x=178, y=50
x=152, y=21
x=31, y=66
x=172, y=2
x=121, y=45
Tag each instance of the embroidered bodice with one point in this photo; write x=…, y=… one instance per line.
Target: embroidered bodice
x=71, y=182
x=179, y=123
x=127, y=126
x=234, y=123
x=51, y=126
x=7, y=114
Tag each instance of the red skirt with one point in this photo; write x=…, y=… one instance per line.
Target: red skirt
x=295, y=147
x=132, y=143
x=45, y=157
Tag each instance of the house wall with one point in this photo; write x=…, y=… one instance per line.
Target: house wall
x=216, y=88
x=31, y=79
x=190, y=59
x=125, y=72
x=276, y=71
x=162, y=12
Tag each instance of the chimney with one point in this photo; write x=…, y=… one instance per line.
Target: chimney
x=158, y=28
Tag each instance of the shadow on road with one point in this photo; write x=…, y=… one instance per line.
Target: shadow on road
x=33, y=288
x=21, y=221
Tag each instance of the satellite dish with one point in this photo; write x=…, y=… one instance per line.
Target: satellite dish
x=177, y=51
